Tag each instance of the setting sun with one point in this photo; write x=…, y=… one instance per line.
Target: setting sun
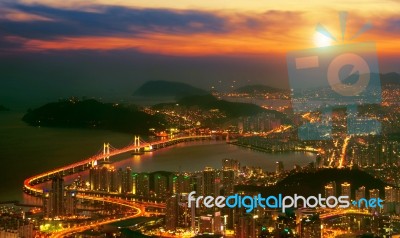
x=321, y=40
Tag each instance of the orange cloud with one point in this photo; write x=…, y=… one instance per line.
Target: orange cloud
x=20, y=16
x=243, y=33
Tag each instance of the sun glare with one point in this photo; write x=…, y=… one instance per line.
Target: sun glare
x=321, y=40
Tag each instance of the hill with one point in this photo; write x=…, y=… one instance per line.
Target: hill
x=258, y=89
x=93, y=114
x=231, y=109
x=162, y=88
x=312, y=183
x=390, y=79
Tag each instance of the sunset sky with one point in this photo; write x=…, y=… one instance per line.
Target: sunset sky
x=69, y=42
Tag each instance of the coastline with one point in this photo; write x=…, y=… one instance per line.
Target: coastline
x=261, y=149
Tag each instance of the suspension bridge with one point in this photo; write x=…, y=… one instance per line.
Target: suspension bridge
x=137, y=146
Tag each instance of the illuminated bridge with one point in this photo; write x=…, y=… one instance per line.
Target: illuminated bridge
x=137, y=146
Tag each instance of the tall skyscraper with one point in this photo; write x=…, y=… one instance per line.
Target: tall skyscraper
x=125, y=180
x=94, y=178
x=171, y=213
x=160, y=186
x=70, y=203
x=346, y=189
x=230, y=170
x=374, y=193
x=181, y=183
x=105, y=178
x=196, y=183
x=209, y=182
x=360, y=193
x=228, y=181
x=330, y=189
x=57, y=202
x=57, y=196
x=245, y=227
x=119, y=178
x=141, y=186
x=47, y=203
x=390, y=199
x=390, y=195
x=129, y=180
x=178, y=213
x=279, y=167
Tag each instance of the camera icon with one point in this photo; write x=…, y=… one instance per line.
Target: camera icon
x=322, y=79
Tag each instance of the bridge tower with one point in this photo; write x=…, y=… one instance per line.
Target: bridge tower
x=137, y=144
x=106, y=151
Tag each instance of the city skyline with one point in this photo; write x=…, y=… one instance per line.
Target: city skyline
x=237, y=119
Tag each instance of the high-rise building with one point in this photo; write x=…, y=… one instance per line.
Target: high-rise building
x=330, y=189
x=113, y=180
x=141, y=186
x=47, y=203
x=94, y=178
x=374, y=193
x=70, y=203
x=230, y=169
x=103, y=178
x=196, y=183
x=171, y=213
x=209, y=182
x=258, y=123
x=57, y=196
x=360, y=193
x=185, y=214
x=245, y=227
x=125, y=180
x=217, y=222
x=230, y=164
x=178, y=213
x=279, y=167
x=228, y=181
x=58, y=202
x=390, y=195
x=119, y=180
x=390, y=199
x=160, y=186
x=206, y=224
x=181, y=183
x=129, y=180
x=346, y=189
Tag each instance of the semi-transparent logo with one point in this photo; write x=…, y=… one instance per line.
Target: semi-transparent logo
x=335, y=76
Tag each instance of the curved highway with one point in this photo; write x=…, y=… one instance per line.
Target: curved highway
x=139, y=208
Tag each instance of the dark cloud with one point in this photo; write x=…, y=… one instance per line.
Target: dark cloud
x=393, y=25
x=108, y=21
